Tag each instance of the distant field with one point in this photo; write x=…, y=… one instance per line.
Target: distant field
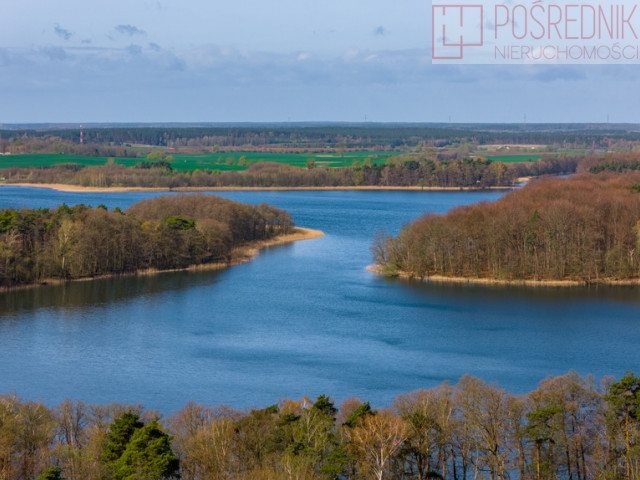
x=212, y=161
x=215, y=160
x=516, y=158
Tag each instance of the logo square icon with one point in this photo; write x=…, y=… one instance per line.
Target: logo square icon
x=455, y=27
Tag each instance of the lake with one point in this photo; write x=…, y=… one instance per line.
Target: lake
x=301, y=319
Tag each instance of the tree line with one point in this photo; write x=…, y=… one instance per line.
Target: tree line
x=398, y=171
x=568, y=428
x=585, y=227
x=165, y=232
x=352, y=136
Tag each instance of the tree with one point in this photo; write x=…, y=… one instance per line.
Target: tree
x=624, y=402
x=120, y=433
x=147, y=456
x=362, y=410
x=375, y=440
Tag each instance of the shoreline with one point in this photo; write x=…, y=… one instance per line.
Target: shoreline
x=377, y=269
x=63, y=187
x=241, y=254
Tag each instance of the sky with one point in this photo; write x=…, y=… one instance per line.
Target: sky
x=274, y=61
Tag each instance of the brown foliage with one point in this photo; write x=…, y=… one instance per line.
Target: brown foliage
x=162, y=233
x=579, y=228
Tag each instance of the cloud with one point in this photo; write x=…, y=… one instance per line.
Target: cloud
x=134, y=49
x=155, y=47
x=379, y=31
x=53, y=53
x=62, y=32
x=130, y=30
x=153, y=5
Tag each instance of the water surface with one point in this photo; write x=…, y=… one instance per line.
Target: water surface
x=301, y=319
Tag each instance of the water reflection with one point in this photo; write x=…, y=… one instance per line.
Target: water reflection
x=101, y=291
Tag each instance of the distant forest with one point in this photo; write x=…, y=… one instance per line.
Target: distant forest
x=569, y=428
x=166, y=232
x=363, y=137
x=585, y=228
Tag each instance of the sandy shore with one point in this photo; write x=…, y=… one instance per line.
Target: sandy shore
x=240, y=255
x=78, y=188
x=524, y=283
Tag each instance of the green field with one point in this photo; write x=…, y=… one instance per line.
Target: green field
x=516, y=158
x=211, y=161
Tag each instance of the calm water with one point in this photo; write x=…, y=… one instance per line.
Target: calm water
x=302, y=319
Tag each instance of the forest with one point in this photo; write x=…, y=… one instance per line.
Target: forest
x=585, y=228
x=569, y=428
x=310, y=136
x=167, y=232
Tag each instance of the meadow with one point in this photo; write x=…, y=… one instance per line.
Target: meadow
x=212, y=161
x=515, y=158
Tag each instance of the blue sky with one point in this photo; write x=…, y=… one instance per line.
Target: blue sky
x=284, y=60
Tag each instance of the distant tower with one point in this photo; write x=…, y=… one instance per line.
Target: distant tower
x=81, y=137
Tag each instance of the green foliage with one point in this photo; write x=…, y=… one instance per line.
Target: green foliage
x=120, y=433
x=51, y=473
x=288, y=418
x=516, y=158
x=160, y=164
x=7, y=217
x=178, y=223
x=271, y=409
x=336, y=463
x=325, y=406
x=147, y=456
x=624, y=395
x=155, y=156
x=361, y=411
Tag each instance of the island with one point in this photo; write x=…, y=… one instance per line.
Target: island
x=584, y=229
x=170, y=232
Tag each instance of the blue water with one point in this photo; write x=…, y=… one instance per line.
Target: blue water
x=301, y=319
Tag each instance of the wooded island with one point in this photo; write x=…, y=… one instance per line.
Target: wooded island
x=167, y=232
x=585, y=228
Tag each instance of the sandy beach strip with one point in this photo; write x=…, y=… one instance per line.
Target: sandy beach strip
x=63, y=187
x=377, y=269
